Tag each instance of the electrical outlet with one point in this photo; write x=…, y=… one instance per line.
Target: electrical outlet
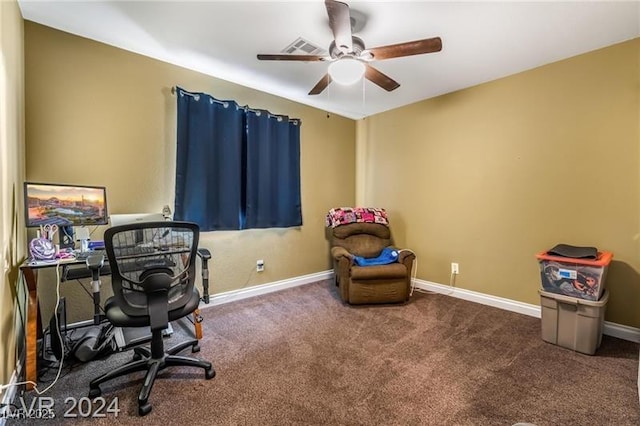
x=455, y=268
x=260, y=265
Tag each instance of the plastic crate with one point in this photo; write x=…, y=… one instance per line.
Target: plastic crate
x=571, y=322
x=581, y=278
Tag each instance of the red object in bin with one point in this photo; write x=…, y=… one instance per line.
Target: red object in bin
x=575, y=277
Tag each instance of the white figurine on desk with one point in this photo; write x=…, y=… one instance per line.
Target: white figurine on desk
x=83, y=235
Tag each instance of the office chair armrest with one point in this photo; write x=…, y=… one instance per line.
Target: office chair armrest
x=340, y=252
x=95, y=261
x=205, y=255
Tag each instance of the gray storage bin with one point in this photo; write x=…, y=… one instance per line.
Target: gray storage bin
x=571, y=322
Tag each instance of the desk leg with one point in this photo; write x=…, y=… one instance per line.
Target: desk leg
x=34, y=323
x=197, y=323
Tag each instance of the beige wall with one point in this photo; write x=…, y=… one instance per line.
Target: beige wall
x=489, y=176
x=100, y=115
x=11, y=176
x=485, y=177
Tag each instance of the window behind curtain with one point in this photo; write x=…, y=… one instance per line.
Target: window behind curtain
x=237, y=168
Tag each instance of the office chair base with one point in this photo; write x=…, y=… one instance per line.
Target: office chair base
x=142, y=360
x=143, y=410
x=139, y=353
x=144, y=352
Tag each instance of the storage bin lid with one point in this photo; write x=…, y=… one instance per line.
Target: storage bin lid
x=603, y=259
x=576, y=300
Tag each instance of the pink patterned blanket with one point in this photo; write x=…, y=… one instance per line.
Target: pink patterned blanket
x=344, y=215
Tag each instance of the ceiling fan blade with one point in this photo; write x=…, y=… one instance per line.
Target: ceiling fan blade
x=285, y=57
x=321, y=85
x=417, y=47
x=340, y=23
x=382, y=80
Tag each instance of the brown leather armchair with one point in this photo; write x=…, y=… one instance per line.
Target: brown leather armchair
x=390, y=283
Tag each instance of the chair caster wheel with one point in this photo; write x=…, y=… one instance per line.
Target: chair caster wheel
x=210, y=373
x=145, y=409
x=95, y=392
x=195, y=348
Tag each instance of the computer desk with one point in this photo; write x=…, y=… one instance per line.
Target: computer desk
x=33, y=327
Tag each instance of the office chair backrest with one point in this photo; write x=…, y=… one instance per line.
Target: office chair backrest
x=152, y=262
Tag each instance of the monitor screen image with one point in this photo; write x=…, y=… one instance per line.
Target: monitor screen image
x=64, y=205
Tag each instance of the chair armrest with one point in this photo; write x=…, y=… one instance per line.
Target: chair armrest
x=342, y=262
x=340, y=252
x=403, y=254
x=406, y=256
x=205, y=255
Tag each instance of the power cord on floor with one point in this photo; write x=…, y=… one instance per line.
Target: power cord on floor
x=452, y=286
x=452, y=283
x=35, y=385
x=413, y=272
x=452, y=280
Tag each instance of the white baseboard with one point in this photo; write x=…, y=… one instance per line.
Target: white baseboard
x=610, y=328
x=245, y=293
x=9, y=394
x=484, y=299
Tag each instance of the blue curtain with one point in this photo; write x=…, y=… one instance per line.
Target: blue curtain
x=237, y=168
x=273, y=171
x=209, y=161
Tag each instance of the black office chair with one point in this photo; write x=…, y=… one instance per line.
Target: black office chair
x=152, y=275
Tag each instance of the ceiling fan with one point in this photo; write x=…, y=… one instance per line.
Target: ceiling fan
x=348, y=56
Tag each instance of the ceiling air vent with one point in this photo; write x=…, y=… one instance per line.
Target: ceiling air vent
x=303, y=47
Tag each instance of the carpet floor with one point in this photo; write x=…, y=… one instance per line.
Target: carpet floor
x=302, y=357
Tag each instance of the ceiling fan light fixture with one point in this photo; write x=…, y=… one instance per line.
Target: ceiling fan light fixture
x=346, y=71
x=349, y=58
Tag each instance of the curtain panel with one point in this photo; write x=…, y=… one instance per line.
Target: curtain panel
x=273, y=171
x=236, y=168
x=208, y=162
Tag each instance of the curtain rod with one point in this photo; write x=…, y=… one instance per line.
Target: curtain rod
x=196, y=96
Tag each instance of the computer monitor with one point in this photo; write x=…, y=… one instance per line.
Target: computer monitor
x=66, y=206
x=127, y=218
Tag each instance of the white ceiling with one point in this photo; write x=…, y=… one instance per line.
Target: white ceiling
x=482, y=41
